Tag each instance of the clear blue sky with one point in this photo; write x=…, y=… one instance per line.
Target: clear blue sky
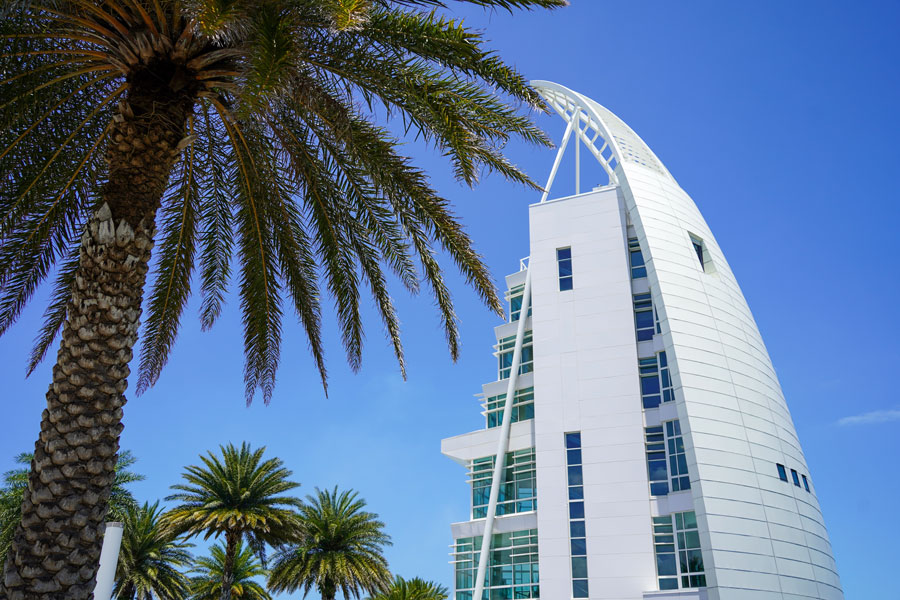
x=778, y=118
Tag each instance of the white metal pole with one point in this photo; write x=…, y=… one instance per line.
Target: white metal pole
x=503, y=442
x=109, y=558
x=576, y=119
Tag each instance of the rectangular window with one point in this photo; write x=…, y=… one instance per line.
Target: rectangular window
x=668, y=393
x=795, y=477
x=664, y=547
x=522, y=410
x=690, y=558
x=782, y=474
x=564, y=263
x=805, y=482
x=505, y=348
x=650, y=389
x=656, y=461
x=512, y=566
x=638, y=269
x=644, y=321
x=519, y=490
x=516, y=295
x=577, y=532
x=677, y=458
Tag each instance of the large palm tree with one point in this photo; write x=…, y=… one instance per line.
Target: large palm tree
x=150, y=558
x=240, y=137
x=340, y=548
x=15, y=482
x=207, y=583
x=237, y=495
x=412, y=589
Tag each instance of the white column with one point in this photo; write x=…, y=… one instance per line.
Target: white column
x=109, y=558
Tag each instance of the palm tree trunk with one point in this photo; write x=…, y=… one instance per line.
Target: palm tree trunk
x=56, y=546
x=231, y=544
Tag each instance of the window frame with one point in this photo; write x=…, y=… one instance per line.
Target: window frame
x=560, y=261
x=782, y=472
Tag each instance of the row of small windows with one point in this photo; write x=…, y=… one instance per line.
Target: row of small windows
x=522, y=409
x=505, y=348
x=656, y=381
x=516, y=295
x=577, y=532
x=782, y=475
x=512, y=566
x=519, y=490
x=680, y=562
x=666, y=459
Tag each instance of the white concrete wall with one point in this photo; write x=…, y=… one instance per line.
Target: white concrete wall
x=586, y=380
x=763, y=539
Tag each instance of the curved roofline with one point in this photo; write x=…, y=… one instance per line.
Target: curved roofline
x=624, y=144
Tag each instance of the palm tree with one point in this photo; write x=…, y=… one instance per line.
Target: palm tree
x=339, y=548
x=246, y=131
x=412, y=589
x=207, y=584
x=121, y=502
x=149, y=558
x=237, y=495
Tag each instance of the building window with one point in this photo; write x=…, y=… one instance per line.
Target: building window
x=656, y=461
x=519, y=490
x=677, y=458
x=577, y=531
x=644, y=320
x=516, y=296
x=805, y=482
x=782, y=474
x=650, y=390
x=638, y=268
x=795, y=477
x=505, y=348
x=688, y=566
x=512, y=567
x=665, y=378
x=564, y=263
x=522, y=410
x=699, y=250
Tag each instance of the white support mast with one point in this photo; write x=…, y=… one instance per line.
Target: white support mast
x=503, y=442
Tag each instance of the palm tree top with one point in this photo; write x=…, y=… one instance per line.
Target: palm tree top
x=236, y=491
x=206, y=584
x=412, y=589
x=282, y=180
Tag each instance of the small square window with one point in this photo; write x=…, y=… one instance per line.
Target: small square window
x=576, y=529
x=579, y=588
x=795, y=477
x=576, y=510
x=573, y=440
x=782, y=473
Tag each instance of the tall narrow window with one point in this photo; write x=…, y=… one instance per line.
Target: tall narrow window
x=650, y=390
x=782, y=474
x=638, y=268
x=577, y=532
x=805, y=482
x=644, y=324
x=656, y=461
x=564, y=263
x=795, y=477
x=664, y=546
x=516, y=295
x=690, y=559
x=677, y=458
x=699, y=250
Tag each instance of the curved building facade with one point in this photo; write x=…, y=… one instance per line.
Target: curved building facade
x=648, y=449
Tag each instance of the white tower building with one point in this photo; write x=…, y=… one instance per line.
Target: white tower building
x=648, y=449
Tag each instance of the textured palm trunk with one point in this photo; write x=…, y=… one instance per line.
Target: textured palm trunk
x=231, y=544
x=56, y=547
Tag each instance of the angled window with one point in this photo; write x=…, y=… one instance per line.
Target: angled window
x=805, y=482
x=665, y=378
x=782, y=473
x=795, y=477
x=702, y=254
x=677, y=458
x=638, y=268
x=564, y=264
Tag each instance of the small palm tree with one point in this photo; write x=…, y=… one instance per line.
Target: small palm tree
x=207, y=583
x=340, y=548
x=15, y=482
x=237, y=495
x=241, y=139
x=412, y=589
x=150, y=558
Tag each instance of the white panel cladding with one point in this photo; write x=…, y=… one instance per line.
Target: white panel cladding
x=763, y=538
x=586, y=379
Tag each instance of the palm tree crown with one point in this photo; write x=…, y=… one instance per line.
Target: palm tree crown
x=238, y=495
x=150, y=559
x=340, y=548
x=207, y=583
x=412, y=589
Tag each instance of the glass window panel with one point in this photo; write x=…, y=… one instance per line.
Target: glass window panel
x=565, y=268
x=576, y=492
x=573, y=457
x=782, y=473
x=563, y=253
x=579, y=567
x=668, y=584
x=573, y=440
x=575, y=477
x=576, y=510
x=805, y=483
x=580, y=588
x=576, y=529
x=795, y=477
x=565, y=284
x=665, y=564
x=579, y=547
